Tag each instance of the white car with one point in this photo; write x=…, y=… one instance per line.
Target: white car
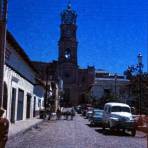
x=118, y=116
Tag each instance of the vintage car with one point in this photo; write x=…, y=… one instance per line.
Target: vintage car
x=85, y=108
x=78, y=109
x=96, y=119
x=118, y=116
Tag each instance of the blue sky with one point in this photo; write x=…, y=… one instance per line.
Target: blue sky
x=110, y=32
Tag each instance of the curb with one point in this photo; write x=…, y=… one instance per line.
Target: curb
x=21, y=132
x=143, y=129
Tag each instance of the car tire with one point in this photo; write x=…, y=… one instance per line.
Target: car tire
x=133, y=132
x=123, y=131
x=104, y=129
x=91, y=124
x=110, y=128
x=103, y=126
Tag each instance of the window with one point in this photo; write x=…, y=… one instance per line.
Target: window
x=120, y=109
x=67, y=54
x=109, y=109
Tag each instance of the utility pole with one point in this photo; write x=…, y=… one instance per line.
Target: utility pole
x=46, y=89
x=3, y=30
x=115, y=85
x=140, y=66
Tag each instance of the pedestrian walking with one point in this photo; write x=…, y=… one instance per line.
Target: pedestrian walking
x=58, y=114
x=4, y=128
x=49, y=115
x=72, y=113
x=67, y=114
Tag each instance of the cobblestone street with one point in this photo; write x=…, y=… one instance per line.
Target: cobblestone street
x=74, y=134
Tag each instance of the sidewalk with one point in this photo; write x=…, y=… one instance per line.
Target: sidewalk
x=21, y=126
x=143, y=124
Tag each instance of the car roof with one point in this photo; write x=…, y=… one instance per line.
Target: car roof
x=96, y=109
x=116, y=104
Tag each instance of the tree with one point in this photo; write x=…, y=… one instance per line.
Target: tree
x=105, y=99
x=138, y=82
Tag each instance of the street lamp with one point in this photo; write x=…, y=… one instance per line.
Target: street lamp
x=3, y=30
x=140, y=66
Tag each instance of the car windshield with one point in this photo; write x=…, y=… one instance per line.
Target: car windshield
x=120, y=109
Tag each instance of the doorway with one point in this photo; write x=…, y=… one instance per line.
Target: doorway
x=5, y=97
x=28, y=106
x=34, y=107
x=12, y=119
x=20, y=104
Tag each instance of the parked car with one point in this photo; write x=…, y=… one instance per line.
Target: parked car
x=89, y=112
x=78, y=109
x=97, y=117
x=85, y=108
x=83, y=112
x=118, y=116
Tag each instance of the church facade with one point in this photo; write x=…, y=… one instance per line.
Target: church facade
x=76, y=81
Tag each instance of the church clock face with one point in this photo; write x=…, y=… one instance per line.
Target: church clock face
x=67, y=54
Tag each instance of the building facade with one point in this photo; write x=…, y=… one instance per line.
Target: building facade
x=53, y=83
x=76, y=81
x=110, y=85
x=23, y=94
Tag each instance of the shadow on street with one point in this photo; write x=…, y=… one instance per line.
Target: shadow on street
x=107, y=132
x=113, y=133
x=93, y=126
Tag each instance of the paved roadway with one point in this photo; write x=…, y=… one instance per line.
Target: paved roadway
x=74, y=134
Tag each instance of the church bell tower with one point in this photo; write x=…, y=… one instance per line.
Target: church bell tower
x=68, y=41
x=67, y=60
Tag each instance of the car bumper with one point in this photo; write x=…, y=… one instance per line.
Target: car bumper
x=97, y=122
x=123, y=125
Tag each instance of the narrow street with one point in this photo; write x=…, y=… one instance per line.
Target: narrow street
x=74, y=134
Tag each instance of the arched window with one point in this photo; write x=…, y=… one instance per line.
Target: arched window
x=67, y=54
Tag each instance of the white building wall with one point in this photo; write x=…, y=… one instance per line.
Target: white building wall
x=101, y=84
x=19, y=75
x=14, y=80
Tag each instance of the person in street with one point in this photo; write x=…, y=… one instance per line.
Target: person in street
x=67, y=114
x=72, y=113
x=4, y=128
x=49, y=114
x=58, y=114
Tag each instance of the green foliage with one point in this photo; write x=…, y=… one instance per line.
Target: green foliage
x=101, y=102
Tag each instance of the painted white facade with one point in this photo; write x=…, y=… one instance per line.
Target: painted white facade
x=19, y=77
x=111, y=83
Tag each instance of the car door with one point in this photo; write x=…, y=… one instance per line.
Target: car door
x=108, y=114
x=105, y=114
